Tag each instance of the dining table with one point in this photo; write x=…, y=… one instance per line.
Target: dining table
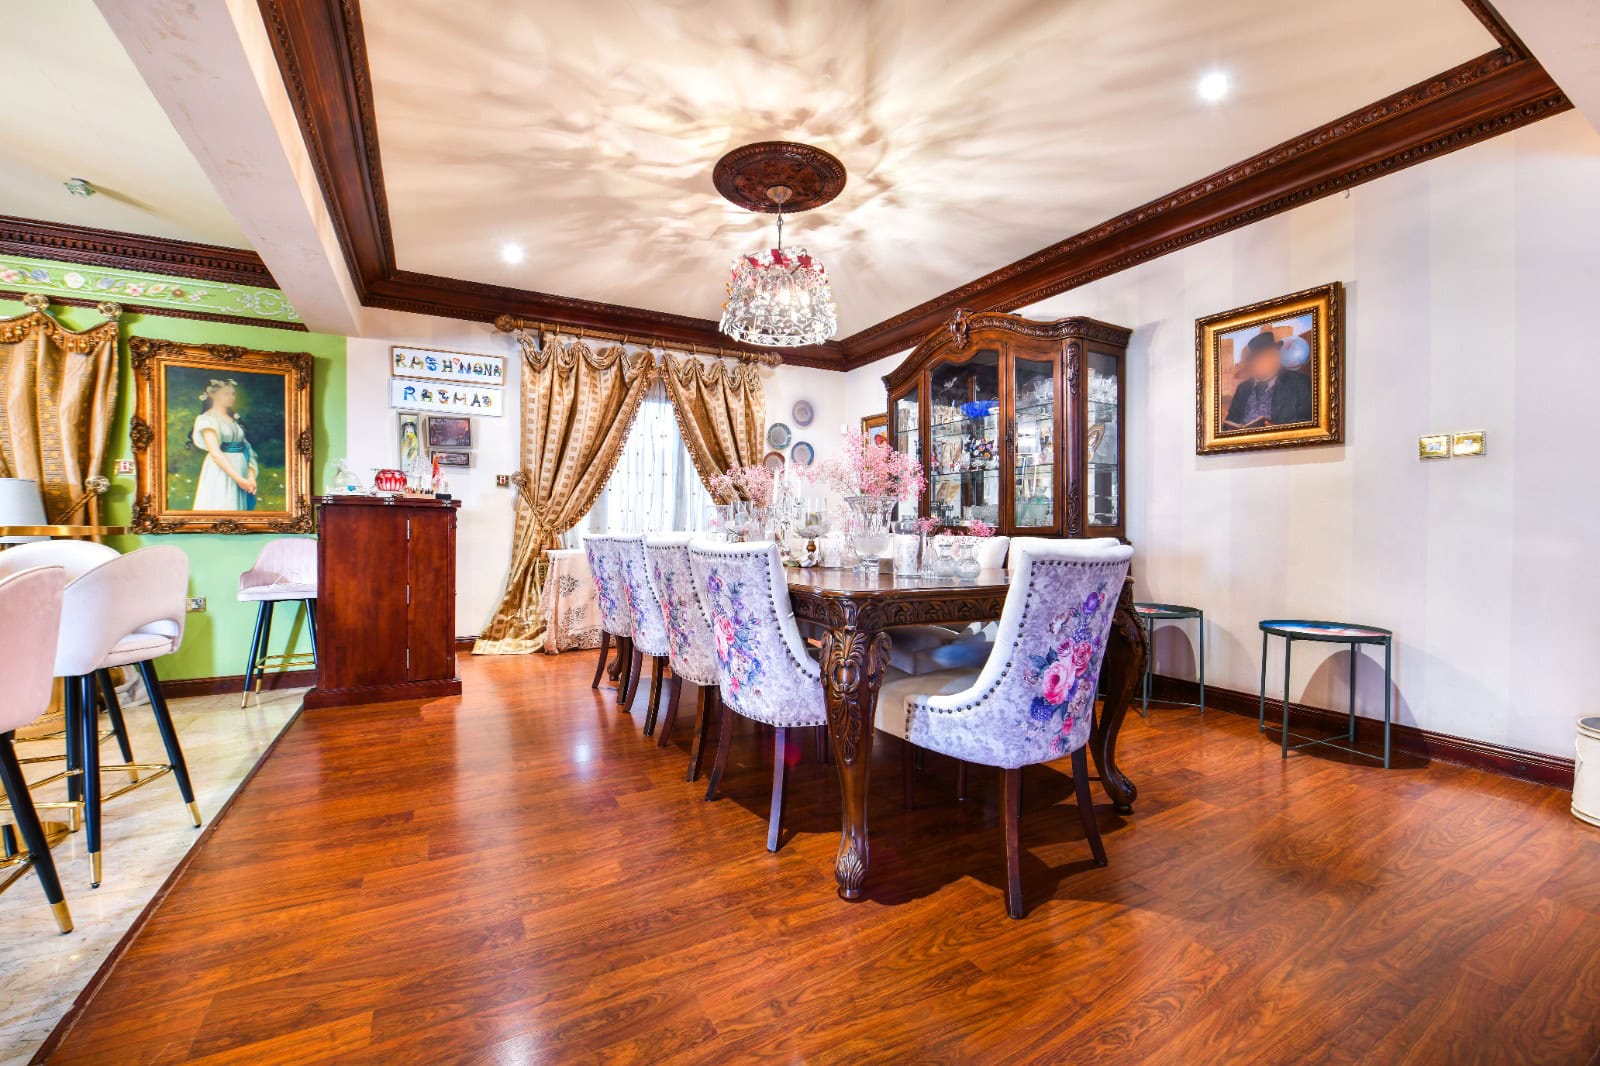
x=856, y=613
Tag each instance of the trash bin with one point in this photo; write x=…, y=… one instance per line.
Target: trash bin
x=1586, y=772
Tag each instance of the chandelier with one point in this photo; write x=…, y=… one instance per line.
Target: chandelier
x=779, y=297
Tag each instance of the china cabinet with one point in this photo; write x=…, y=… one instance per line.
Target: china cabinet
x=1018, y=423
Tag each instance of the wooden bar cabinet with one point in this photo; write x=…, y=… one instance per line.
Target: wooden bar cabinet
x=386, y=594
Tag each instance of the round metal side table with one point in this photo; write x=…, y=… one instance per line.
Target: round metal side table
x=1292, y=630
x=1150, y=614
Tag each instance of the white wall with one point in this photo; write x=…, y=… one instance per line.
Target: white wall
x=483, y=535
x=1470, y=283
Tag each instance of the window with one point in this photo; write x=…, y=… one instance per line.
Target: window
x=654, y=488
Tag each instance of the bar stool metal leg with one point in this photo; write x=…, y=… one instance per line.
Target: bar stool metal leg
x=253, y=664
x=311, y=624
x=1202, y=624
x=169, y=737
x=89, y=737
x=1288, y=644
x=119, y=728
x=33, y=836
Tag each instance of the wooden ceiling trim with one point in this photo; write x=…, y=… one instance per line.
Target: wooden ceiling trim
x=130, y=251
x=1480, y=99
x=322, y=54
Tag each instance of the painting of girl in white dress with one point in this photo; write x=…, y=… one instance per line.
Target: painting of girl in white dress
x=222, y=437
x=225, y=433
x=229, y=471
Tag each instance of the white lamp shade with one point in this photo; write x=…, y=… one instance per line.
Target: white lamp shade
x=20, y=505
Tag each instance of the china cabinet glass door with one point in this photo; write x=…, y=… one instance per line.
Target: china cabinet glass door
x=964, y=445
x=1034, y=444
x=1103, y=440
x=905, y=435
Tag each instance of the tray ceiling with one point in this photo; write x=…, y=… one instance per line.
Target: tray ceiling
x=586, y=133
x=77, y=107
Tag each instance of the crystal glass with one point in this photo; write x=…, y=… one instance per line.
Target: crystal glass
x=944, y=560
x=907, y=548
x=966, y=551
x=869, y=534
x=811, y=521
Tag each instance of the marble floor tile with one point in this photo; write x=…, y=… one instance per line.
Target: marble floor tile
x=146, y=833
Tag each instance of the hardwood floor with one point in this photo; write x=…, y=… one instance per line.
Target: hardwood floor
x=518, y=875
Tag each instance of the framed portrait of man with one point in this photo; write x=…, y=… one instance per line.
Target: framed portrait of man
x=1270, y=375
x=221, y=439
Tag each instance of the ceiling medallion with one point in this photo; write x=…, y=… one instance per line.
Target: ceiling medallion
x=779, y=297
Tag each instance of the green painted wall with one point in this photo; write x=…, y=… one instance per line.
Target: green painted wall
x=215, y=643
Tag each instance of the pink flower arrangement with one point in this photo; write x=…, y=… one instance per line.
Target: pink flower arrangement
x=753, y=483
x=869, y=468
x=979, y=528
x=927, y=526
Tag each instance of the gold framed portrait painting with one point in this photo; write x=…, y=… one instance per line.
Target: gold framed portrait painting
x=876, y=428
x=1271, y=375
x=221, y=439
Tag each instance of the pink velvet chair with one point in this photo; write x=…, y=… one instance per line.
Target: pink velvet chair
x=30, y=620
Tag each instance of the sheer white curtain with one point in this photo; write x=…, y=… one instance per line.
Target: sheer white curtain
x=654, y=488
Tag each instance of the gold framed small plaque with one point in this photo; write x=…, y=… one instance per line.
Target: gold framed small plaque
x=1468, y=444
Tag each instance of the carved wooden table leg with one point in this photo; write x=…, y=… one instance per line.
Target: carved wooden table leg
x=1121, y=672
x=853, y=660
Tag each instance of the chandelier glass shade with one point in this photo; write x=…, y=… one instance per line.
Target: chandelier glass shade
x=780, y=297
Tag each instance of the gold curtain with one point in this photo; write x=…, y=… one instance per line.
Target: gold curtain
x=577, y=408
x=60, y=395
x=721, y=410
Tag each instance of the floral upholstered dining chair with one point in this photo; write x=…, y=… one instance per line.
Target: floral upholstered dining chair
x=1032, y=701
x=763, y=669
x=615, y=622
x=690, y=647
x=649, y=628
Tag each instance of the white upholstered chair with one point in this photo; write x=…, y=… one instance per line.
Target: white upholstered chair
x=76, y=558
x=763, y=669
x=690, y=646
x=30, y=619
x=615, y=623
x=1032, y=701
x=286, y=569
x=646, y=622
x=128, y=611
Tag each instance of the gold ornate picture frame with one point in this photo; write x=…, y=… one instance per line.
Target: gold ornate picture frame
x=221, y=439
x=1271, y=374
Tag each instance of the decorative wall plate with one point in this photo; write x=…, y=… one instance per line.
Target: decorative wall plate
x=773, y=461
x=803, y=413
x=802, y=454
x=778, y=436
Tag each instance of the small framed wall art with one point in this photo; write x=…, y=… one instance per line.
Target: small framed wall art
x=1468, y=444
x=449, y=431
x=451, y=458
x=410, y=438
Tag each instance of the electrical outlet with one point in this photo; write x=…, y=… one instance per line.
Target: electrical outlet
x=197, y=603
x=502, y=481
x=124, y=466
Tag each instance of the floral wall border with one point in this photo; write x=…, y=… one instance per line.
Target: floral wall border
x=152, y=293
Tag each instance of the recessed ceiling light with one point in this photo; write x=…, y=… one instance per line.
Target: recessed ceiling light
x=511, y=253
x=1214, y=86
